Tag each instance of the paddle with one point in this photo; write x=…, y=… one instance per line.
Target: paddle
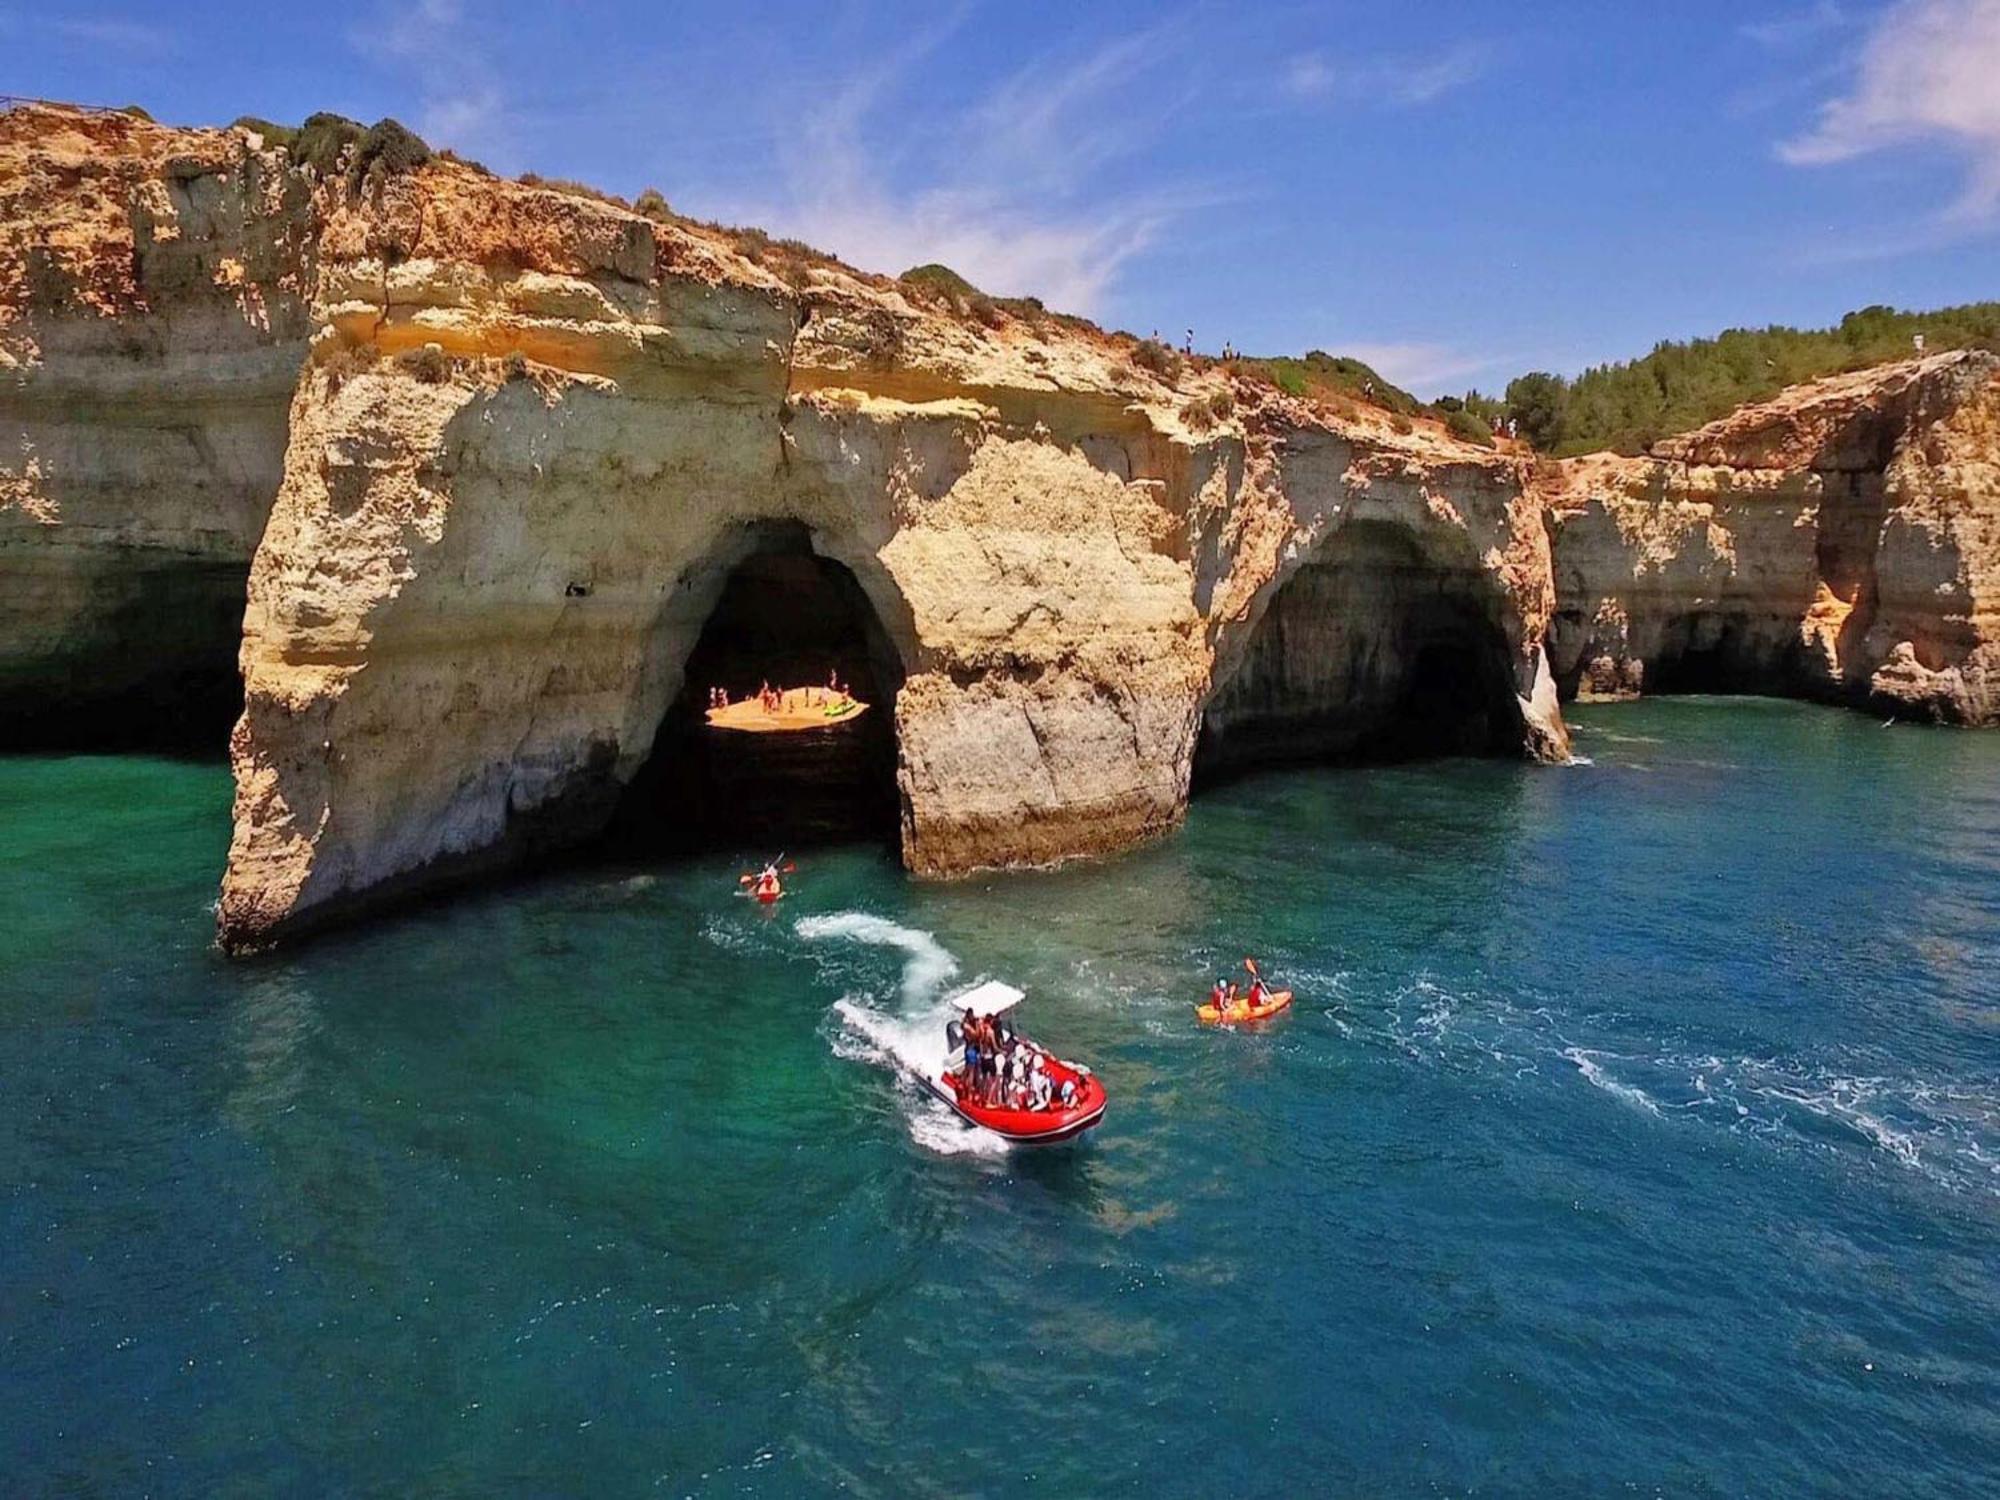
x=1251, y=965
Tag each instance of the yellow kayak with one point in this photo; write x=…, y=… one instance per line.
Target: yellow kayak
x=1233, y=1015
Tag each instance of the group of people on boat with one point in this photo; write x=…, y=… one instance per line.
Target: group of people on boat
x=1225, y=996
x=1002, y=1070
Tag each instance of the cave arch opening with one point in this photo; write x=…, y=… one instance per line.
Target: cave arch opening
x=1723, y=652
x=769, y=607
x=1375, y=650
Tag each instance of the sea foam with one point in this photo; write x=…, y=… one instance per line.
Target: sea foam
x=911, y=1037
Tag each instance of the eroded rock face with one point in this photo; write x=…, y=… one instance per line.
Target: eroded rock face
x=499, y=450
x=525, y=456
x=1840, y=542
x=152, y=327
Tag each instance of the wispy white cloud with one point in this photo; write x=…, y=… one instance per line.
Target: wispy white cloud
x=1402, y=81
x=1928, y=71
x=131, y=36
x=461, y=103
x=1796, y=28
x=115, y=32
x=1010, y=189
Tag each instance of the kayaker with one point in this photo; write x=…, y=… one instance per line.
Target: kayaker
x=1218, y=996
x=1257, y=992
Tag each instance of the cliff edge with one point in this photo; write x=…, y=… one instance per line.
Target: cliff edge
x=480, y=485
x=1839, y=542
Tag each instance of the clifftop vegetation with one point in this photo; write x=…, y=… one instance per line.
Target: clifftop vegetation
x=1682, y=385
x=1624, y=406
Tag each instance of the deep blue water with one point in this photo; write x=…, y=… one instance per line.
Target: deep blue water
x=1638, y=1130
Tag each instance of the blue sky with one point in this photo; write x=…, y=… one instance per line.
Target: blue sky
x=1457, y=192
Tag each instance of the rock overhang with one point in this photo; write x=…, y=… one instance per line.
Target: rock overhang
x=500, y=431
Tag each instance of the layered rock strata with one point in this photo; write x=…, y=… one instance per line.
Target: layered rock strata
x=152, y=326
x=492, y=454
x=536, y=434
x=1840, y=542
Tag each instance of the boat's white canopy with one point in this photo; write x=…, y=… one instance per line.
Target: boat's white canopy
x=989, y=998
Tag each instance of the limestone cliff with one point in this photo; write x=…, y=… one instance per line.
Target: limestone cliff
x=1841, y=541
x=152, y=325
x=495, y=456
x=537, y=432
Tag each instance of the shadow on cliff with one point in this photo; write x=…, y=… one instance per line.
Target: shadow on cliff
x=789, y=617
x=150, y=667
x=1375, y=651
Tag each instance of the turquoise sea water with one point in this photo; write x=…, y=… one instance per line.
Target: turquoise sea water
x=1638, y=1130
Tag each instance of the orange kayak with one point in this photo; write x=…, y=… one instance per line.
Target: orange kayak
x=1234, y=1015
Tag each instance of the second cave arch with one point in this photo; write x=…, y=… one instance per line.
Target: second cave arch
x=1379, y=647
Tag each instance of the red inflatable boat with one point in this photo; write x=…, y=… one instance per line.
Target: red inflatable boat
x=1028, y=1127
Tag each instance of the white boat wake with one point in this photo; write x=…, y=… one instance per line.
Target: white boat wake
x=909, y=1039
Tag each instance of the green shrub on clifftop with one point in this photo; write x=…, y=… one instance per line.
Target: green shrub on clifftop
x=321, y=140
x=273, y=133
x=390, y=148
x=1682, y=385
x=1151, y=354
x=942, y=281
x=319, y=145
x=1464, y=424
